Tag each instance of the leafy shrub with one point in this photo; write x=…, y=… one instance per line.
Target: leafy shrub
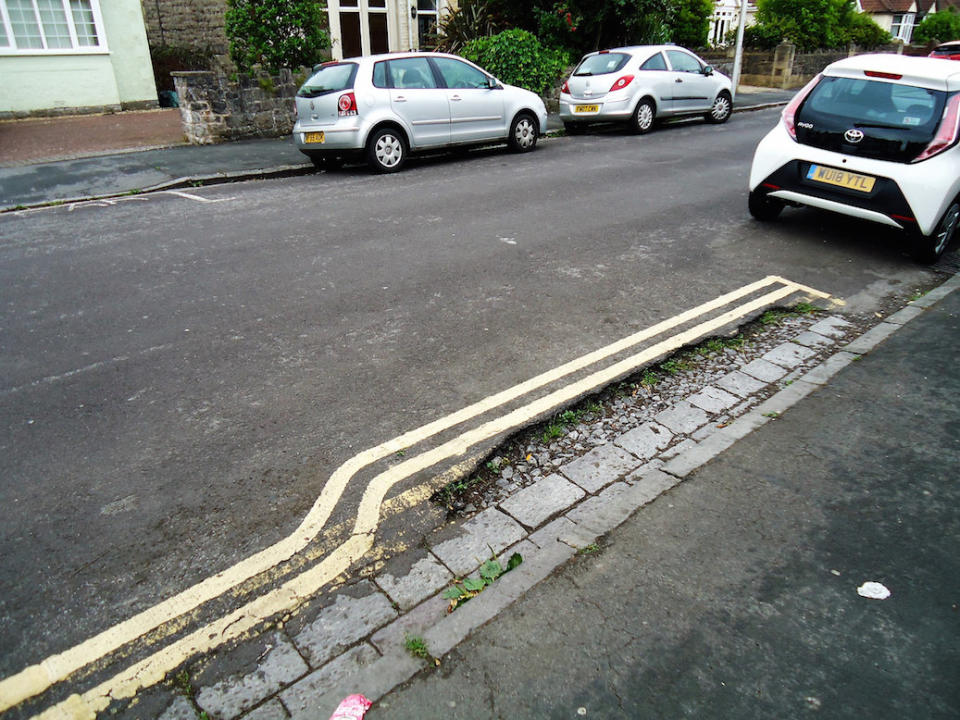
x=943, y=26
x=690, y=22
x=865, y=33
x=518, y=58
x=757, y=37
x=470, y=21
x=276, y=33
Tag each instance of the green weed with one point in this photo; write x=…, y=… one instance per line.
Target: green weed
x=463, y=590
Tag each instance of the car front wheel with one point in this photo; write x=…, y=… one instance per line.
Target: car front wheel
x=643, y=117
x=721, y=109
x=927, y=248
x=386, y=150
x=523, y=133
x=763, y=207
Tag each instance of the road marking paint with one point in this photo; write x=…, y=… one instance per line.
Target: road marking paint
x=198, y=198
x=36, y=679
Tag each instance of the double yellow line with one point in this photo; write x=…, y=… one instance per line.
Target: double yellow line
x=36, y=679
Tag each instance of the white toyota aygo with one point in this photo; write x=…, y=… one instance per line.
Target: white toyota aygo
x=874, y=137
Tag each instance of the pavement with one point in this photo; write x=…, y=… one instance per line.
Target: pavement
x=64, y=160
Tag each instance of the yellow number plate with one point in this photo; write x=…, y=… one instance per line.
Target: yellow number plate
x=587, y=108
x=841, y=178
x=315, y=137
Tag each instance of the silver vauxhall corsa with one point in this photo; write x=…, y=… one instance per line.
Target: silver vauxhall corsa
x=641, y=84
x=384, y=107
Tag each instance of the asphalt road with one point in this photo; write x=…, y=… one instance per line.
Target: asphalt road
x=179, y=378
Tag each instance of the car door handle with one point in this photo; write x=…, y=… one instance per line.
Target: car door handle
x=679, y=80
x=400, y=98
x=456, y=98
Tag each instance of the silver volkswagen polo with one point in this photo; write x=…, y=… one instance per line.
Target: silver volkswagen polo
x=641, y=84
x=384, y=107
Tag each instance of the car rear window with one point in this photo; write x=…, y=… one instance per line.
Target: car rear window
x=601, y=64
x=897, y=120
x=332, y=77
x=947, y=50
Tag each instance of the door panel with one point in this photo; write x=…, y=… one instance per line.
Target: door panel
x=693, y=91
x=415, y=97
x=476, y=111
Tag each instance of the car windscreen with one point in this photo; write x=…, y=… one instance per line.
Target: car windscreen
x=601, y=64
x=329, y=78
x=897, y=121
x=947, y=50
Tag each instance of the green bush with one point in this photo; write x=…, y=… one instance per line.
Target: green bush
x=518, y=58
x=865, y=33
x=943, y=26
x=690, y=22
x=757, y=37
x=276, y=33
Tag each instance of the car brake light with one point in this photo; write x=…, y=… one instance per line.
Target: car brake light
x=947, y=133
x=347, y=104
x=565, y=88
x=621, y=83
x=790, y=111
x=884, y=75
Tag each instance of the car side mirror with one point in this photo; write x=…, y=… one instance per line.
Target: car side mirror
x=493, y=84
x=707, y=70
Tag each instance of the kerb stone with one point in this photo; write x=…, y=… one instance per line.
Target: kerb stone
x=426, y=576
x=646, y=440
x=532, y=506
x=764, y=370
x=318, y=694
x=600, y=467
x=683, y=418
x=490, y=529
x=739, y=384
x=713, y=400
x=789, y=355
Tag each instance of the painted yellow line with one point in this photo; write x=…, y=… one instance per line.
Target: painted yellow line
x=38, y=678
x=288, y=596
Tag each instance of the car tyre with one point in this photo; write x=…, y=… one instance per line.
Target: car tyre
x=928, y=248
x=387, y=150
x=763, y=207
x=721, y=109
x=574, y=128
x=523, y=133
x=643, y=117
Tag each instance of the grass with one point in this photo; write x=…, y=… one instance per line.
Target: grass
x=181, y=681
x=588, y=549
x=416, y=646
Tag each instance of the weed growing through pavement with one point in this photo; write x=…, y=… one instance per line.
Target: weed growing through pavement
x=469, y=587
x=588, y=549
x=416, y=646
x=181, y=681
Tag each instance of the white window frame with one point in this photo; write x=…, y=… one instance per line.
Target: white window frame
x=12, y=49
x=905, y=27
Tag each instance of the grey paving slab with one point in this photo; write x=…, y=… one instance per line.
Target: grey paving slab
x=740, y=384
x=683, y=418
x=425, y=577
x=763, y=370
x=600, y=467
x=318, y=694
x=450, y=631
x=713, y=399
x=271, y=710
x=789, y=355
x=563, y=530
x=490, y=529
x=179, y=709
x=814, y=340
x=414, y=623
x=833, y=326
x=229, y=698
x=905, y=315
x=646, y=440
x=686, y=462
x=534, y=505
x=603, y=513
x=637, y=474
x=786, y=398
x=871, y=338
x=342, y=624
x=681, y=447
x=829, y=367
x=937, y=293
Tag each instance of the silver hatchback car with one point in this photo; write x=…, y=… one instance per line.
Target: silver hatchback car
x=384, y=107
x=640, y=84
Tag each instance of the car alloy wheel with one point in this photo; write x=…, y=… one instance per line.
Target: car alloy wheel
x=720, y=111
x=643, y=117
x=387, y=151
x=931, y=247
x=523, y=134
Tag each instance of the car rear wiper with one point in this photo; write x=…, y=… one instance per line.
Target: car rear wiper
x=314, y=92
x=586, y=74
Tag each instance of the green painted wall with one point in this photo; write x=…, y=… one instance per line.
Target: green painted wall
x=30, y=83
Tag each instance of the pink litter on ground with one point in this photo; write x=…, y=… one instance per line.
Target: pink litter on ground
x=353, y=707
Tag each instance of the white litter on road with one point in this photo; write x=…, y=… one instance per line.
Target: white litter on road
x=873, y=590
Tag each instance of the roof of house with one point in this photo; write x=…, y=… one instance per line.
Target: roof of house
x=903, y=6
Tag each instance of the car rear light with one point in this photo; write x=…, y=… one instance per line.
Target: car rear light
x=621, y=83
x=790, y=111
x=565, y=88
x=947, y=133
x=884, y=75
x=347, y=104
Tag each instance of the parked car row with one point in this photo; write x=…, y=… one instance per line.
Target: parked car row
x=872, y=136
x=385, y=107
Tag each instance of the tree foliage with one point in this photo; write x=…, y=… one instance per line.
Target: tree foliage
x=517, y=57
x=943, y=26
x=276, y=33
x=813, y=25
x=690, y=22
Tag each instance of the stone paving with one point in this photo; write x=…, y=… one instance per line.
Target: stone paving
x=356, y=642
